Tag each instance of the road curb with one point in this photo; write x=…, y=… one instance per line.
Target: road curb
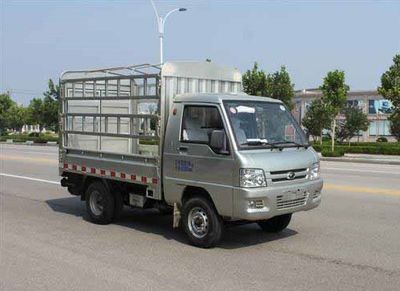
x=365, y=161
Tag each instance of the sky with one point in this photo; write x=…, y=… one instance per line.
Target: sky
x=42, y=38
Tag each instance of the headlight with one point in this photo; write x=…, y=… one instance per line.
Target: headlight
x=251, y=178
x=314, y=171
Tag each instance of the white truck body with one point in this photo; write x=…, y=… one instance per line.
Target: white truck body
x=185, y=137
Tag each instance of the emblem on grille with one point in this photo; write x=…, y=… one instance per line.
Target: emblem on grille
x=291, y=175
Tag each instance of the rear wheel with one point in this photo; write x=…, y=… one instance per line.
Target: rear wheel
x=275, y=224
x=100, y=203
x=201, y=222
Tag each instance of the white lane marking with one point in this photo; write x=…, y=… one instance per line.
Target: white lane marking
x=30, y=178
x=359, y=170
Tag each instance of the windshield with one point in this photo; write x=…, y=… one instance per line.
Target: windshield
x=260, y=124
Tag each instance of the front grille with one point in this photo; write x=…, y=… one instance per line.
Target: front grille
x=287, y=171
x=289, y=200
x=286, y=179
x=282, y=176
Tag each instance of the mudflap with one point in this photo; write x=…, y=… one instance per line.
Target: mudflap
x=177, y=216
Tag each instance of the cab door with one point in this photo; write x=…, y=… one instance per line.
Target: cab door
x=190, y=161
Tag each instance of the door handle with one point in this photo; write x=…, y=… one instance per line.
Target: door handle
x=182, y=149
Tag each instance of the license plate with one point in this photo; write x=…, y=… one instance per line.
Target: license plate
x=294, y=194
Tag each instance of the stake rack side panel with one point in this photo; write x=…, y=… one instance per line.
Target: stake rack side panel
x=110, y=124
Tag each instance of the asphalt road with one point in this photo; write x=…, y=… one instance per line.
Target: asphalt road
x=350, y=242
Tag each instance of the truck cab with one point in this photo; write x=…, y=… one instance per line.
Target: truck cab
x=244, y=155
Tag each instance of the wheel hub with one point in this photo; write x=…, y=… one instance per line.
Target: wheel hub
x=198, y=222
x=96, y=203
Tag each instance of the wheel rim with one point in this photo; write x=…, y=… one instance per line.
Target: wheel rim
x=96, y=203
x=198, y=222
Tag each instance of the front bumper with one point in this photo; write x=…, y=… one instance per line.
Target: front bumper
x=276, y=200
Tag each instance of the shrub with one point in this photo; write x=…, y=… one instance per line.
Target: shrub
x=395, y=124
x=36, y=138
x=328, y=153
x=148, y=142
x=43, y=138
x=317, y=147
x=381, y=139
x=367, y=148
x=34, y=134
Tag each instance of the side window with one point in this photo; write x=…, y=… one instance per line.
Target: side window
x=199, y=122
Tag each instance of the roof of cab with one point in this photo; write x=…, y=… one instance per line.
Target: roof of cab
x=218, y=98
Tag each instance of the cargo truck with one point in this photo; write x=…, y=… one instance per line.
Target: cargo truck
x=184, y=139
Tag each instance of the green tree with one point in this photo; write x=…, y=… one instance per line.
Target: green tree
x=390, y=89
x=281, y=87
x=277, y=85
x=16, y=116
x=334, y=95
x=53, y=90
x=5, y=104
x=35, y=112
x=316, y=119
x=255, y=82
x=355, y=121
x=395, y=124
x=45, y=111
x=50, y=106
x=50, y=113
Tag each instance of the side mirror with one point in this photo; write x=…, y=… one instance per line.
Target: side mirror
x=218, y=141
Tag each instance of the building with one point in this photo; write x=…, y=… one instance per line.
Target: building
x=29, y=128
x=372, y=103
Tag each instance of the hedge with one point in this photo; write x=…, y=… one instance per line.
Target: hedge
x=385, y=144
x=381, y=139
x=329, y=153
x=148, y=142
x=378, y=149
x=39, y=138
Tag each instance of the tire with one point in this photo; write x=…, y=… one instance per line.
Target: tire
x=275, y=224
x=201, y=222
x=100, y=203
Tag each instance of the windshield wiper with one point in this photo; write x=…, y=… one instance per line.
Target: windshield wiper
x=306, y=145
x=254, y=142
x=258, y=142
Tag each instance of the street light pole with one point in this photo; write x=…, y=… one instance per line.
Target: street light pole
x=161, y=22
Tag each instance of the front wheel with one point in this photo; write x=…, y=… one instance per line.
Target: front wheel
x=201, y=222
x=275, y=224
